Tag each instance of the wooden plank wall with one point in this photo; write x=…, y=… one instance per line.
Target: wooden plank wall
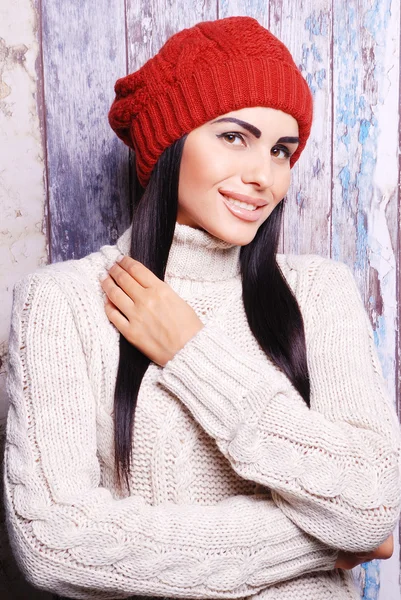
x=344, y=201
x=87, y=168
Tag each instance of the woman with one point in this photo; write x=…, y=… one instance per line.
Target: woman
x=219, y=427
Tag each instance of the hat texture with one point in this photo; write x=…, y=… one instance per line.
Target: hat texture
x=200, y=73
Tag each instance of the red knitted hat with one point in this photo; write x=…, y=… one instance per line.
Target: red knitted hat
x=200, y=73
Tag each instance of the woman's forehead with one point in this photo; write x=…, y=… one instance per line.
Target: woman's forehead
x=262, y=117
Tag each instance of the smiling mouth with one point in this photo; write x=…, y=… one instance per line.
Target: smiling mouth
x=240, y=203
x=243, y=210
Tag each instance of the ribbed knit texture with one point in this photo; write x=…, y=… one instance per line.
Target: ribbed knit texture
x=200, y=73
x=238, y=489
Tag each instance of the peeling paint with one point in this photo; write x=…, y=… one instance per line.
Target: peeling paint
x=317, y=23
x=376, y=304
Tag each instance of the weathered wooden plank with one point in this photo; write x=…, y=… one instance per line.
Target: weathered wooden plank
x=258, y=9
x=305, y=28
x=149, y=25
x=84, y=53
x=365, y=144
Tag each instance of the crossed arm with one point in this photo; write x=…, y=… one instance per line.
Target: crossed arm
x=334, y=469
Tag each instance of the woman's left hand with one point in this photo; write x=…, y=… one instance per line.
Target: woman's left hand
x=147, y=311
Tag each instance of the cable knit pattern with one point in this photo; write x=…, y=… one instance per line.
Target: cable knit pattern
x=238, y=489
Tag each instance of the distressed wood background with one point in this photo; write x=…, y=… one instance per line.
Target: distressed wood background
x=65, y=178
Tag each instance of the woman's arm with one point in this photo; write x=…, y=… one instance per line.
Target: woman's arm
x=71, y=536
x=333, y=469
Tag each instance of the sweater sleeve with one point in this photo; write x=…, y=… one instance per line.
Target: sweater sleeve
x=334, y=469
x=72, y=536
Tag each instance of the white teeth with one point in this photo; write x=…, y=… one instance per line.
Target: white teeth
x=249, y=207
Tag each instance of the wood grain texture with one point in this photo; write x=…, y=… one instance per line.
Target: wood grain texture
x=84, y=53
x=150, y=24
x=306, y=30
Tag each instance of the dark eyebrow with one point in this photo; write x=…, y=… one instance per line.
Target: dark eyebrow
x=255, y=131
x=288, y=140
x=251, y=128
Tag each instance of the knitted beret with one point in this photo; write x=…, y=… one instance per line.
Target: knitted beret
x=200, y=73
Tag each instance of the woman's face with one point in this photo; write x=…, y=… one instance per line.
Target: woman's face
x=240, y=157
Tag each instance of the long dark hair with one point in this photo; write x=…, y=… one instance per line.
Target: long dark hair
x=271, y=308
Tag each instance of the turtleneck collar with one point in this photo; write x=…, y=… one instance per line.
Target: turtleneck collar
x=196, y=255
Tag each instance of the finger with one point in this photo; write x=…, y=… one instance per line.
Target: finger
x=118, y=297
x=139, y=272
x=126, y=282
x=118, y=320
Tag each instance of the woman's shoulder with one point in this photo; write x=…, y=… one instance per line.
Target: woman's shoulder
x=311, y=275
x=72, y=278
x=310, y=266
x=67, y=298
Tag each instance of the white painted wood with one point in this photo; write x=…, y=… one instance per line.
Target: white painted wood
x=23, y=243
x=23, y=232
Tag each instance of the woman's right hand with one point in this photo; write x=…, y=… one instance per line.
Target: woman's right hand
x=349, y=560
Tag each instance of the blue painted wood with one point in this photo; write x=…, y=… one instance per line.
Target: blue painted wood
x=371, y=580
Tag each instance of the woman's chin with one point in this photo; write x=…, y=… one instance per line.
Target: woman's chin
x=238, y=236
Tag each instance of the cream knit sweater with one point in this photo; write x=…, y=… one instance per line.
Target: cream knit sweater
x=238, y=489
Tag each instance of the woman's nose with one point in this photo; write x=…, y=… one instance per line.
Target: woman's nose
x=259, y=171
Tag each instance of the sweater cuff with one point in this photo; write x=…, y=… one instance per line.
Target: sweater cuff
x=216, y=381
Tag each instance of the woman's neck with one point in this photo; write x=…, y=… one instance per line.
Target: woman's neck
x=195, y=255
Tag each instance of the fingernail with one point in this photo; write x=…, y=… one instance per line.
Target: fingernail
x=103, y=276
x=119, y=258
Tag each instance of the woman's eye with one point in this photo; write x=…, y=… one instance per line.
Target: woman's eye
x=234, y=139
x=281, y=152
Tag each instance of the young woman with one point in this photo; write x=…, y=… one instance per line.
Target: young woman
x=219, y=427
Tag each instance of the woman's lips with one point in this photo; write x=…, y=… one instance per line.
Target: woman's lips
x=243, y=198
x=242, y=213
